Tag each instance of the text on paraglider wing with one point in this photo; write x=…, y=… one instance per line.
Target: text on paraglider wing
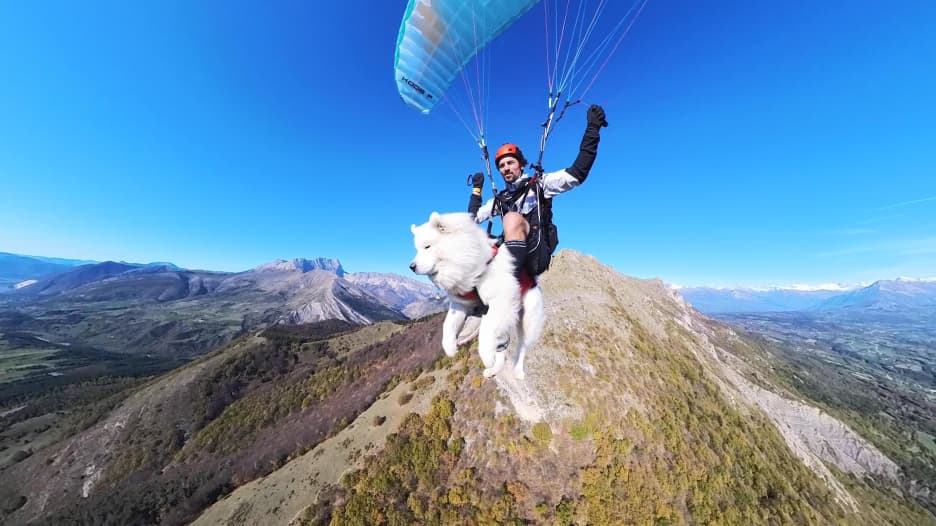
x=416, y=87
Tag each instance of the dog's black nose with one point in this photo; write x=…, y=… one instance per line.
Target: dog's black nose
x=412, y=266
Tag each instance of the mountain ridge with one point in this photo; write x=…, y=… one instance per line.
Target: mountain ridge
x=572, y=401
x=635, y=407
x=587, y=393
x=15, y=268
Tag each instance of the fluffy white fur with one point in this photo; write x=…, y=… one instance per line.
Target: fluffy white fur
x=455, y=253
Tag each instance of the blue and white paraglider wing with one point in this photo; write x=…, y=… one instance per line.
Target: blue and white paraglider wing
x=437, y=39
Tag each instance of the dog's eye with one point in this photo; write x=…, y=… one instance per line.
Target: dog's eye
x=426, y=247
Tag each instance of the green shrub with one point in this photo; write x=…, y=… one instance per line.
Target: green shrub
x=542, y=432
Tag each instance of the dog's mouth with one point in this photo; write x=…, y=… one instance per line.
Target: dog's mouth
x=431, y=273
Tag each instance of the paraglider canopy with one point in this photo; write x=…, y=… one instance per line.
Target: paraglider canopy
x=437, y=39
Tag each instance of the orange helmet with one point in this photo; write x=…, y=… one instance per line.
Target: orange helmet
x=510, y=150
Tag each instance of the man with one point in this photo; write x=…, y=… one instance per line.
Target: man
x=526, y=203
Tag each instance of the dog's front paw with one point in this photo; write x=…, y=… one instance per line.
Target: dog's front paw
x=498, y=365
x=450, y=350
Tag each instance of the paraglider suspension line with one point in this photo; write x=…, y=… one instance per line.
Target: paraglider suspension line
x=486, y=161
x=549, y=125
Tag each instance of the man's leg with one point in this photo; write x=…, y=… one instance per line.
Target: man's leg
x=516, y=230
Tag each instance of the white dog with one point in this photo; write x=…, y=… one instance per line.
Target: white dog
x=459, y=257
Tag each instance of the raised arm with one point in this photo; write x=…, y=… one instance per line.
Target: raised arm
x=555, y=183
x=588, y=150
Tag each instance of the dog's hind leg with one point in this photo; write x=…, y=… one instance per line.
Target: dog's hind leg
x=494, y=336
x=454, y=321
x=521, y=351
x=500, y=356
x=530, y=327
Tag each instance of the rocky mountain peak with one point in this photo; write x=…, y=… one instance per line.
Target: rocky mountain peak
x=303, y=265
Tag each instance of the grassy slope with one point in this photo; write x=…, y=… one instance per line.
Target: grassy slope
x=690, y=457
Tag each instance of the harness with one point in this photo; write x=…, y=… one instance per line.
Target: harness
x=542, y=230
x=505, y=201
x=526, y=282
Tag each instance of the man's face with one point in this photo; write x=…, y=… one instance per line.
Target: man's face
x=510, y=168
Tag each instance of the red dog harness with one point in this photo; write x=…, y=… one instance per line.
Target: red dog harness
x=526, y=282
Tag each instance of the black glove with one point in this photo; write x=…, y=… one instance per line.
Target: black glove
x=474, y=202
x=596, y=117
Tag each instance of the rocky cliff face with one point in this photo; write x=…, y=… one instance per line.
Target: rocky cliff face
x=818, y=439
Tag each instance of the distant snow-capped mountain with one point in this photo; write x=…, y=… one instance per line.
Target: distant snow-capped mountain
x=716, y=300
x=886, y=295
x=883, y=295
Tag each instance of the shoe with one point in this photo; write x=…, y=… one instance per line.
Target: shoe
x=479, y=310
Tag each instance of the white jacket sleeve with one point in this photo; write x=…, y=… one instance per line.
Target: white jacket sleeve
x=555, y=183
x=484, y=213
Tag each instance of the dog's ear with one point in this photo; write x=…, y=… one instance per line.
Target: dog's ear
x=412, y=228
x=435, y=220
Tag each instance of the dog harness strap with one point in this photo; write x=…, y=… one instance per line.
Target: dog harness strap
x=470, y=295
x=526, y=282
x=473, y=293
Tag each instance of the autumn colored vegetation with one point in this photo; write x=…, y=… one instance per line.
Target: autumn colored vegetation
x=689, y=456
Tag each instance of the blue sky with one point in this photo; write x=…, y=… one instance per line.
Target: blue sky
x=751, y=143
